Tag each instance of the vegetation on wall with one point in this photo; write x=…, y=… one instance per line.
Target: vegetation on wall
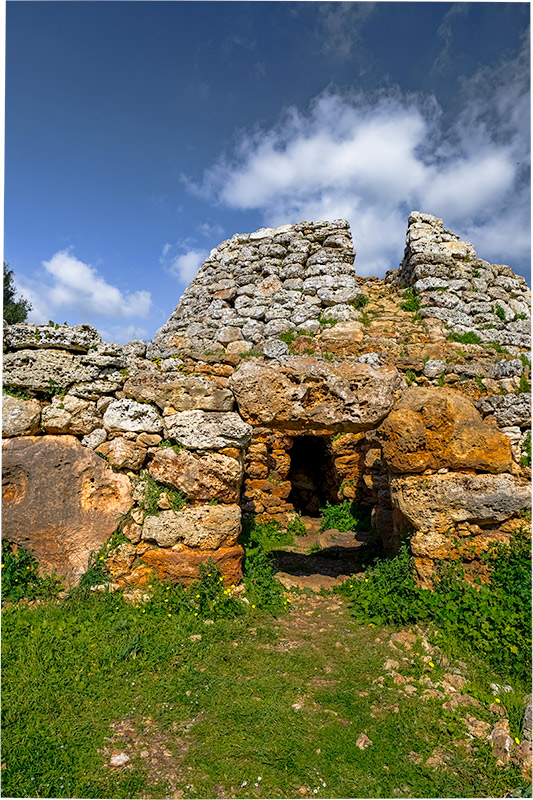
x=14, y=310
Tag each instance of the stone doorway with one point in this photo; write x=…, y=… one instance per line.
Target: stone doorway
x=313, y=477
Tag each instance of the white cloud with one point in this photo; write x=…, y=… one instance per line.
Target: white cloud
x=185, y=266
x=372, y=160
x=122, y=333
x=77, y=287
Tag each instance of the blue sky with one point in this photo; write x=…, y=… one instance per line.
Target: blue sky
x=141, y=134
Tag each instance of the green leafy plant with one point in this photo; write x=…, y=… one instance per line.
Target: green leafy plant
x=519, y=316
x=327, y=321
x=410, y=376
x=328, y=356
x=14, y=310
x=169, y=443
x=524, y=386
x=499, y=312
x=288, y=337
x=496, y=346
x=360, y=302
x=20, y=577
x=411, y=301
x=296, y=527
x=344, y=516
x=480, y=385
x=151, y=494
x=465, y=338
x=13, y=391
x=491, y=619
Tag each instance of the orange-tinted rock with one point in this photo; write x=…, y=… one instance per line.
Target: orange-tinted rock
x=60, y=501
x=438, y=428
x=123, y=453
x=182, y=565
x=201, y=478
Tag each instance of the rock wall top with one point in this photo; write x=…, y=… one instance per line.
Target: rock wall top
x=254, y=287
x=489, y=301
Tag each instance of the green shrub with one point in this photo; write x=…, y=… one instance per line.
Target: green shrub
x=498, y=310
x=20, y=577
x=268, y=535
x=345, y=516
x=410, y=376
x=152, y=491
x=360, y=302
x=288, y=337
x=524, y=385
x=492, y=619
x=411, y=301
x=465, y=338
x=296, y=527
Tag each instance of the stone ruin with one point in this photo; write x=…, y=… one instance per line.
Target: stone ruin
x=282, y=381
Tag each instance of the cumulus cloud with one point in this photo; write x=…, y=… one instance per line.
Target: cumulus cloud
x=374, y=159
x=77, y=287
x=185, y=266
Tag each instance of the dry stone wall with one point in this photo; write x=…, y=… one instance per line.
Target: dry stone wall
x=281, y=381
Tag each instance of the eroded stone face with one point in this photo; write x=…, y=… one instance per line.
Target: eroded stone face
x=182, y=564
x=70, y=414
x=441, y=428
x=179, y=393
x=212, y=476
x=19, y=417
x=208, y=430
x=310, y=393
x=206, y=526
x=60, y=501
x=434, y=503
x=128, y=415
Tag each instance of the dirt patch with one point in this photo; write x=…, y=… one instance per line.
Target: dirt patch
x=159, y=752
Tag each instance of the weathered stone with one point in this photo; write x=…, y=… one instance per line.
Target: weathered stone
x=508, y=410
x=123, y=453
x=206, y=526
x=45, y=370
x=436, y=502
x=128, y=415
x=60, y=501
x=183, y=565
x=69, y=414
x=342, y=338
x=201, y=478
x=95, y=438
x=275, y=348
x=310, y=393
x=179, y=392
x=20, y=417
x=208, y=430
x=26, y=335
x=438, y=428
x=434, y=367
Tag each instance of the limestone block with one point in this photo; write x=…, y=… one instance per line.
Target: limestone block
x=208, y=430
x=436, y=428
x=342, y=338
x=434, y=503
x=201, y=478
x=311, y=393
x=60, y=501
x=128, y=415
x=95, y=438
x=123, y=453
x=69, y=414
x=42, y=370
x=275, y=348
x=179, y=392
x=508, y=410
x=26, y=335
x=182, y=565
x=19, y=417
x=206, y=526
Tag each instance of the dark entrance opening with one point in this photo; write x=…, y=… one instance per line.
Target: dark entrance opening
x=312, y=475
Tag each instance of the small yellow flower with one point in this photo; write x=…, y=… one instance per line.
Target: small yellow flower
x=431, y=664
x=221, y=579
x=253, y=605
x=169, y=615
x=366, y=580
x=1, y=565
x=497, y=700
x=196, y=613
x=166, y=601
x=27, y=567
x=101, y=558
x=197, y=595
x=144, y=612
x=149, y=585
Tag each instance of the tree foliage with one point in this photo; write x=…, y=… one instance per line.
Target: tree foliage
x=14, y=310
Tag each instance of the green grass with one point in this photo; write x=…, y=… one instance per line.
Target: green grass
x=152, y=491
x=345, y=516
x=465, y=338
x=411, y=301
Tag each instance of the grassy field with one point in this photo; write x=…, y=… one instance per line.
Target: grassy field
x=247, y=707
x=204, y=695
